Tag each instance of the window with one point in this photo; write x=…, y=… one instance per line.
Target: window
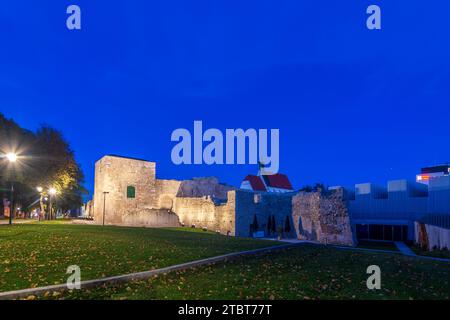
x=131, y=192
x=382, y=232
x=257, y=198
x=362, y=231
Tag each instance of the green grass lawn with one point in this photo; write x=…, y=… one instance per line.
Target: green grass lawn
x=377, y=245
x=434, y=253
x=38, y=254
x=307, y=272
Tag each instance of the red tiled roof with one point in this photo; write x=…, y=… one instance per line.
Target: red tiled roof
x=256, y=183
x=278, y=180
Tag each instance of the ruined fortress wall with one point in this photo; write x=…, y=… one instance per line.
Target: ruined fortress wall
x=322, y=218
x=150, y=218
x=204, y=202
x=312, y=216
x=203, y=212
x=306, y=211
x=207, y=186
x=167, y=190
x=226, y=215
x=158, y=203
x=196, y=211
x=263, y=205
x=114, y=175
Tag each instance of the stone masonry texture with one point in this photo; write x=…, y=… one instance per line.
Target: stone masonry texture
x=206, y=203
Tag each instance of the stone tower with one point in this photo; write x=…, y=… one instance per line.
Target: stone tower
x=122, y=185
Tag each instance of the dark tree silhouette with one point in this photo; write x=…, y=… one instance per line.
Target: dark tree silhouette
x=287, y=225
x=319, y=186
x=269, y=225
x=255, y=223
x=45, y=159
x=274, y=224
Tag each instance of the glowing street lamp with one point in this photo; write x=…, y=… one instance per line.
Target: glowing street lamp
x=39, y=189
x=52, y=191
x=12, y=157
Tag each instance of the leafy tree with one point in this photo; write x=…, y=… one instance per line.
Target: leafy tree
x=13, y=139
x=307, y=188
x=59, y=169
x=318, y=186
x=45, y=159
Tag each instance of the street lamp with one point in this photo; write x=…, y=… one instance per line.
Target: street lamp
x=41, y=205
x=51, y=192
x=12, y=158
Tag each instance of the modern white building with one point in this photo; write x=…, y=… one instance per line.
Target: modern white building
x=430, y=173
x=389, y=212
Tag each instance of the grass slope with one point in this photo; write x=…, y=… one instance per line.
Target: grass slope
x=307, y=272
x=33, y=255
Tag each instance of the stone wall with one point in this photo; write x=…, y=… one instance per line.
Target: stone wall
x=263, y=205
x=157, y=202
x=307, y=216
x=206, y=203
x=168, y=190
x=200, y=187
x=322, y=217
x=204, y=212
x=150, y=218
x=113, y=175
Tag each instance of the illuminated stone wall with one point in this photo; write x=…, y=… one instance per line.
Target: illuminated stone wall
x=206, y=203
x=322, y=217
x=158, y=203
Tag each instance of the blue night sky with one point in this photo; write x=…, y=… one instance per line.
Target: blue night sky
x=352, y=105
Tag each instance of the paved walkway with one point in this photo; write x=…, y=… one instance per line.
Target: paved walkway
x=289, y=240
x=16, y=221
x=404, y=248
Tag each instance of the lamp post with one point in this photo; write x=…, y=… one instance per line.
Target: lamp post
x=11, y=205
x=52, y=193
x=40, y=189
x=12, y=158
x=104, y=205
x=45, y=214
